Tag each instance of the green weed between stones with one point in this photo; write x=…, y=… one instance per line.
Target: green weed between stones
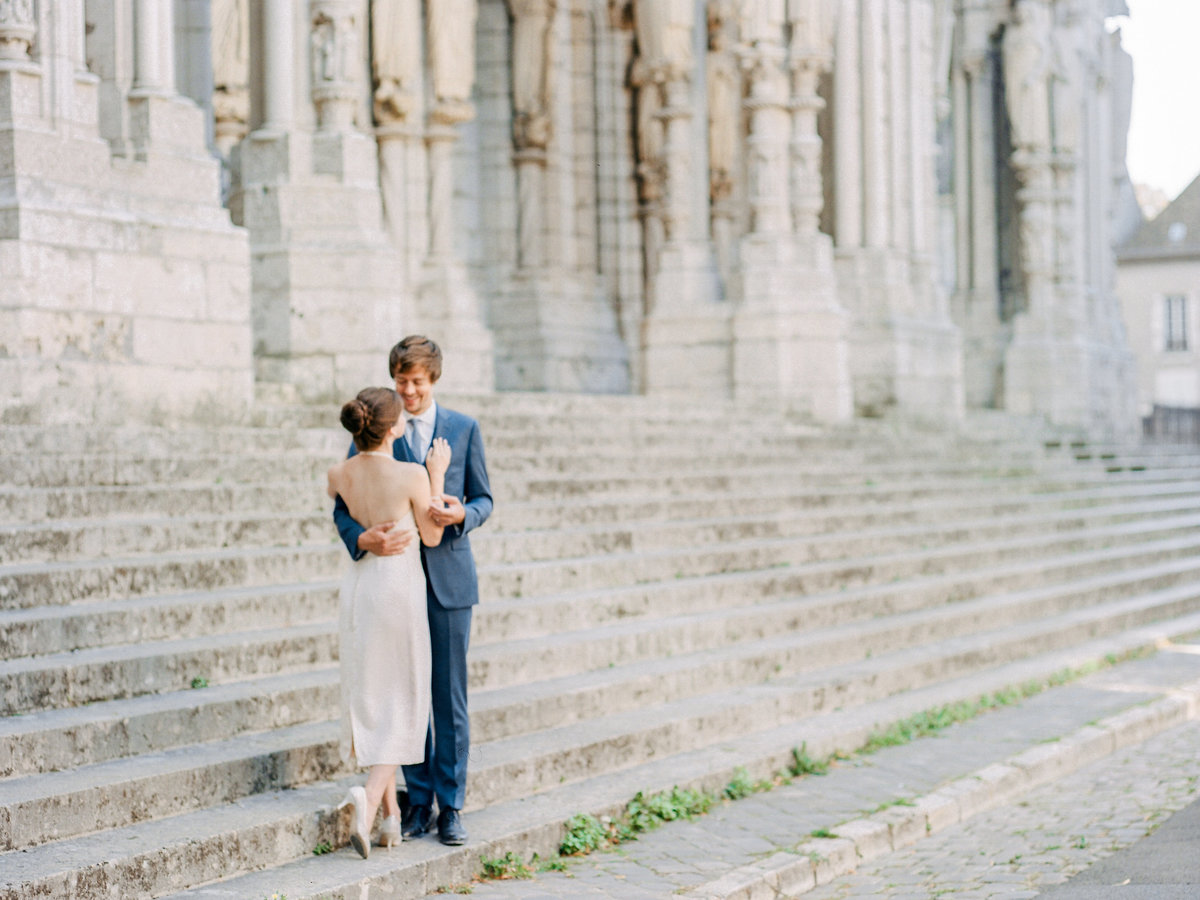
x=503, y=868
x=322, y=848
x=586, y=833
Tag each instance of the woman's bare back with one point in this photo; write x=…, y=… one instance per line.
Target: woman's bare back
x=378, y=489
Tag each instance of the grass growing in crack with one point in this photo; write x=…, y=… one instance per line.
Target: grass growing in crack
x=322, y=848
x=503, y=868
x=804, y=764
x=584, y=834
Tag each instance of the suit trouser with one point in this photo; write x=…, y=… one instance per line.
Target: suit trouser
x=443, y=774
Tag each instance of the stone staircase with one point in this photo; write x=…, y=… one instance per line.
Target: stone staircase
x=658, y=609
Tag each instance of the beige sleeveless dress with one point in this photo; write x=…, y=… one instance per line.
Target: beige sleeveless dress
x=384, y=654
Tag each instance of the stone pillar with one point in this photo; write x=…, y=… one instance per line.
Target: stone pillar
x=789, y=330
x=553, y=328
x=278, y=47
x=330, y=298
x=904, y=352
x=154, y=48
x=686, y=329
x=1046, y=370
x=449, y=307
x=398, y=89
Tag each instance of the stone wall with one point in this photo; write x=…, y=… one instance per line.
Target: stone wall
x=837, y=207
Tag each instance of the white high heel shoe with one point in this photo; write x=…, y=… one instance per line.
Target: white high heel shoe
x=389, y=832
x=360, y=831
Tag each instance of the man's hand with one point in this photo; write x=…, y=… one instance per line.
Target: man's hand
x=385, y=539
x=445, y=510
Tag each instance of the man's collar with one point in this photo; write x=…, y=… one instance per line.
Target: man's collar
x=429, y=417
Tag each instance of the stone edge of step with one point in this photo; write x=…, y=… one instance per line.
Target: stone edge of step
x=820, y=860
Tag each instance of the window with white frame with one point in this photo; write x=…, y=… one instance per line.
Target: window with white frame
x=1175, y=322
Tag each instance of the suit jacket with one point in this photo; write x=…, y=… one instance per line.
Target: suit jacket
x=450, y=566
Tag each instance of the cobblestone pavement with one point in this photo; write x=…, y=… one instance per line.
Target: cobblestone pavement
x=1051, y=833
x=1057, y=830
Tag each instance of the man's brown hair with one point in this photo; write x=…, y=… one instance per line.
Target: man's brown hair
x=416, y=350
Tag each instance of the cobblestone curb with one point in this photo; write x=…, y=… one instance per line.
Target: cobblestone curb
x=819, y=860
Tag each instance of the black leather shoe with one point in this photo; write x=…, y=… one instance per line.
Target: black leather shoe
x=450, y=828
x=417, y=820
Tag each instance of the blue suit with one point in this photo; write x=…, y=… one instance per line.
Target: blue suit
x=452, y=591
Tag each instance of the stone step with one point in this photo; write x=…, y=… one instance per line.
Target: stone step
x=772, y=516
x=37, y=505
x=732, y=638
x=170, y=784
x=506, y=469
x=62, y=680
x=30, y=506
x=41, y=630
x=28, y=585
x=536, y=824
x=45, y=630
x=127, y=670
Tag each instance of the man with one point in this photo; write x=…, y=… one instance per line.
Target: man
x=415, y=365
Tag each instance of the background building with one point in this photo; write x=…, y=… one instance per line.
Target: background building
x=837, y=205
x=1158, y=281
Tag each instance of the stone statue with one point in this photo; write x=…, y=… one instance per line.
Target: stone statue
x=762, y=20
x=231, y=68
x=664, y=37
x=724, y=100
x=810, y=32
x=18, y=26
x=451, y=33
x=395, y=58
x=531, y=48
x=1067, y=84
x=1027, y=68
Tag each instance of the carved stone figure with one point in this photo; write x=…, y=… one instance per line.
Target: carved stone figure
x=395, y=58
x=531, y=62
x=762, y=20
x=231, y=69
x=334, y=46
x=724, y=101
x=809, y=21
x=18, y=26
x=1027, y=68
x=1067, y=83
x=451, y=33
x=664, y=37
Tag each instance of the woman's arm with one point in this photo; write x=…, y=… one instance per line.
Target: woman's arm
x=427, y=489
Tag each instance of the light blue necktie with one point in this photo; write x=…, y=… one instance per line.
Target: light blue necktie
x=410, y=435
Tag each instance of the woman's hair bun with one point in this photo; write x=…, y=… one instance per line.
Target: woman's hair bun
x=356, y=416
x=370, y=415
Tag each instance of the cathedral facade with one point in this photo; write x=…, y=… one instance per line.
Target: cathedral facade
x=841, y=206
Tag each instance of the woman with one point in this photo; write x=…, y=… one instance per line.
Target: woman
x=384, y=630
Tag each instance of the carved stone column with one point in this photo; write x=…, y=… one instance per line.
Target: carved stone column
x=449, y=303
x=532, y=123
x=789, y=329
x=336, y=62
x=398, y=85
x=767, y=146
x=686, y=328
x=18, y=28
